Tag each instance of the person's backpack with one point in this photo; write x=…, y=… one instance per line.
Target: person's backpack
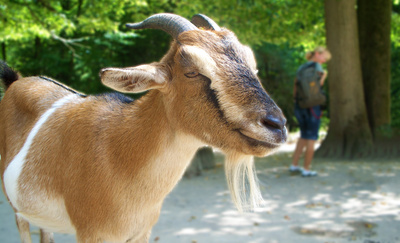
x=309, y=92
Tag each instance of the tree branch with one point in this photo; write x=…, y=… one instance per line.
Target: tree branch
x=46, y=5
x=67, y=42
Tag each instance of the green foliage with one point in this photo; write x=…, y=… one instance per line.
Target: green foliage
x=21, y=20
x=80, y=69
x=395, y=25
x=301, y=23
x=71, y=40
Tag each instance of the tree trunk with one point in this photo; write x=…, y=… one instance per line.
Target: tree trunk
x=349, y=135
x=78, y=13
x=203, y=160
x=374, y=17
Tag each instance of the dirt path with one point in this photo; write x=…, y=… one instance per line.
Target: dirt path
x=348, y=202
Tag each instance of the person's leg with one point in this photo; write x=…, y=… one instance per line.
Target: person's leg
x=309, y=155
x=301, y=115
x=301, y=144
x=313, y=123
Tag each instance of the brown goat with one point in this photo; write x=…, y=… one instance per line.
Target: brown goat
x=101, y=166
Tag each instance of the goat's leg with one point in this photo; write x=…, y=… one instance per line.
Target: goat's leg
x=23, y=228
x=46, y=237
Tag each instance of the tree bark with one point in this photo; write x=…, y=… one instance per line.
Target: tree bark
x=374, y=17
x=78, y=13
x=203, y=160
x=349, y=135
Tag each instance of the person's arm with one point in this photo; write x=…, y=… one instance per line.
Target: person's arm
x=323, y=77
x=322, y=72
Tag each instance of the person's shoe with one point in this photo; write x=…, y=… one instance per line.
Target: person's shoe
x=308, y=173
x=294, y=168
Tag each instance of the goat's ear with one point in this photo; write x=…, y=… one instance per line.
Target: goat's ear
x=135, y=79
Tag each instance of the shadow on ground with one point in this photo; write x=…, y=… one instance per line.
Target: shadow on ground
x=348, y=202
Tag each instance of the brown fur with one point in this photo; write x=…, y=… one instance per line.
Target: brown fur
x=92, y=171
x=112, y=163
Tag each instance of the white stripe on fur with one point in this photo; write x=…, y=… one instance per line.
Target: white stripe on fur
x=13, y=171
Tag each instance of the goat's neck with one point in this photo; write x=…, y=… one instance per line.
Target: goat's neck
x=149, y=148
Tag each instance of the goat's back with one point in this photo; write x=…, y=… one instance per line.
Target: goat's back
x=23, y=103
x=68, y=156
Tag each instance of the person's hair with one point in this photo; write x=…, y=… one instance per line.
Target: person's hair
x=319, y=49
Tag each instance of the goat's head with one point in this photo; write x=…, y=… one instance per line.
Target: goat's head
x=210, y=84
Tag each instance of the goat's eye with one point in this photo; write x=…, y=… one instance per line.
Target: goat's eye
x=191, y=74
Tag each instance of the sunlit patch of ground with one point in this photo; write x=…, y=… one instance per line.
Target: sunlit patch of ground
x=347, y=202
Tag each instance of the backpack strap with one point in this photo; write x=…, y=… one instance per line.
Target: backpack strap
x=315, y=115
x=308, y=65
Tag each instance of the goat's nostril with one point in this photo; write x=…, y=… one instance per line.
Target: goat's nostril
x=274, y=122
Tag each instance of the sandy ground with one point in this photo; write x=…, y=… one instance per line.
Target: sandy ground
x=348, y=202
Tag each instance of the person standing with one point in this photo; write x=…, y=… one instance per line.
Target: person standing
x=309, y=119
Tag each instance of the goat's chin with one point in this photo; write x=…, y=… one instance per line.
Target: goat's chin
x=261, y=141
x=244, y=142
x=251, y=145
x=258, y=151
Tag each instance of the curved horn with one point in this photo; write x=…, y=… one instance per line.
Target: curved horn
x=171, y=23
x=200, y=20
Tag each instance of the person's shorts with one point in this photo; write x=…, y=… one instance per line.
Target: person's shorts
x=309, y=121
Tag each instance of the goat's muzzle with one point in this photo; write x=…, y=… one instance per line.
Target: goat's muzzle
x=267, y=131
